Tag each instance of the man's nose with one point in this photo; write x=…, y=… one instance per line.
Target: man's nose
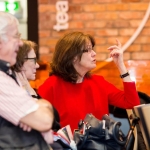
x=20, y=42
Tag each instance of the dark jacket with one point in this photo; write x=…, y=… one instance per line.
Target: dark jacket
x=13, y=137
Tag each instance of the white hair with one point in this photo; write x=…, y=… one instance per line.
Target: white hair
x=6, y=20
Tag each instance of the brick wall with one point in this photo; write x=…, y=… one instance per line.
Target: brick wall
x=106, y=20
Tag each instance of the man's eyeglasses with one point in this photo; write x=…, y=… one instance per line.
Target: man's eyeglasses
x=89, y=49
x=17, y=36
x=34, y=59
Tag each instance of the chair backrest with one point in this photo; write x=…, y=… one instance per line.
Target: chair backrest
x=121, y=115
x=143, y=112
x=139, y=132
x=135, y=147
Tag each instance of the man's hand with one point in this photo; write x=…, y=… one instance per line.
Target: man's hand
x=25, y=127
x=48, y=136
x=40, y=119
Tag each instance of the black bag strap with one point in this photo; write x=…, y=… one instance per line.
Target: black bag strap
x=84, y=138
x=115, y=130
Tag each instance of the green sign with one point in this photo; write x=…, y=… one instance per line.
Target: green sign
x=10, y=6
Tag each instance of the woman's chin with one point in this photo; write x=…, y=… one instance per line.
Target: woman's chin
x=32, y=78
x=93, y=66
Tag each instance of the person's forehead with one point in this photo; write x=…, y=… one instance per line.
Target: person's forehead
x=12, y=29
x=88, y=43
x=31, y=53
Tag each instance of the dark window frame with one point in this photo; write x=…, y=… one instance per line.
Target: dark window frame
x=32, y=21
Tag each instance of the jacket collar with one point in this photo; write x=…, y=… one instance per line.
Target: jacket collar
x=5, y=67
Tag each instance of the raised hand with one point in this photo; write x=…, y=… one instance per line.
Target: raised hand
x=116, y=53
x=48, y=136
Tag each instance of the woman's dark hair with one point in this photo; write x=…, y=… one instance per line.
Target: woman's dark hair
x=23, y=53
x=67, y=48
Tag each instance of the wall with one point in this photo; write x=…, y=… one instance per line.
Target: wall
x=106, y=20
x=139, y=71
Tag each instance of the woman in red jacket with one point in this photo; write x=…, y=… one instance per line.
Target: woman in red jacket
x=71, y=88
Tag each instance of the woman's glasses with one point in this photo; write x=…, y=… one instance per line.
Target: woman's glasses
x=34, y=59
x=89, y=49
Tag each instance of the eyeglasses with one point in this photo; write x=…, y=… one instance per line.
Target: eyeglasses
x=34, y=59
x=17, y=36
x=89, y=49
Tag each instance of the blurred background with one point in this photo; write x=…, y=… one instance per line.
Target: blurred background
x=19, y=9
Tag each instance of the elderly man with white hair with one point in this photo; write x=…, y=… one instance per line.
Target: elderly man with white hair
x=16, y=106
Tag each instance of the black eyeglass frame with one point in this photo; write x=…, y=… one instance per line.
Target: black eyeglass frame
x=88, y=50
x=34, y=58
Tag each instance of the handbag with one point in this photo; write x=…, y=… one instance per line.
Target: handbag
x=95, y=134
